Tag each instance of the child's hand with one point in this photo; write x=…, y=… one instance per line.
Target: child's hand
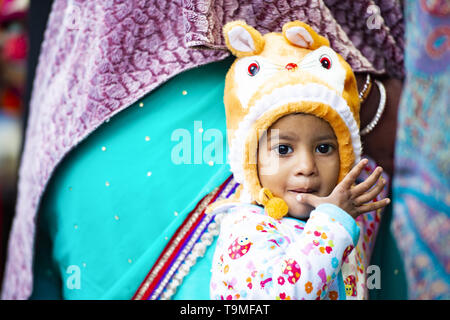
x=354, y=199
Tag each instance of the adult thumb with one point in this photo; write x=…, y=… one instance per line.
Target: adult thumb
x=308, y=198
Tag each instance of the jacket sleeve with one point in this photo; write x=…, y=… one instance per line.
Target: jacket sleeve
x=258, y=258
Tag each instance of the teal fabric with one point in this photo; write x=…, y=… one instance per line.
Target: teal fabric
x=386, y=255
x=117, y=198
x=341, y=286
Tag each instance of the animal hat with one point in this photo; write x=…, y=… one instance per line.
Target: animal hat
x=278, y=74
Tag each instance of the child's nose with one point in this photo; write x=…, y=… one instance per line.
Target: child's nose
x=306, y=164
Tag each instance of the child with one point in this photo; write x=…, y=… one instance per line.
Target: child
x=292, y=111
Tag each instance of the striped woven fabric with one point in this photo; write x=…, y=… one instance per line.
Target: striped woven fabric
x=188, y=243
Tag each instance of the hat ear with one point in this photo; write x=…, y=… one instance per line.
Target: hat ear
x=242, y=40
x=303, y=36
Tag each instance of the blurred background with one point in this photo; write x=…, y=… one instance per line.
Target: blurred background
x=22, y=26
x=13, y=69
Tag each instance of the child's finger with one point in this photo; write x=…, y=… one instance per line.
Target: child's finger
x=311, y=199
x=351, y=177
x=373, y=206
x=371, y=194
x=368, y=183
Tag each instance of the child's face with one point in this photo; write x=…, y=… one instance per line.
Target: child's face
x=299, y=154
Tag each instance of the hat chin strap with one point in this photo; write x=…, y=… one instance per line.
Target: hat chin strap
x=275, y=207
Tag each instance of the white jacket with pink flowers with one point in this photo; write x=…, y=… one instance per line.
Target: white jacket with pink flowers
x=258, y=257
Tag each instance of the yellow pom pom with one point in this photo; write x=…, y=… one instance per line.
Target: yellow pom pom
x=276, y=208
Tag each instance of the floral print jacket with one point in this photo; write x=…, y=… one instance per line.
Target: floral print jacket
x=258, y=257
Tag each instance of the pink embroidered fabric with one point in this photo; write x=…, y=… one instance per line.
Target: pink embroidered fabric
x=99, y=57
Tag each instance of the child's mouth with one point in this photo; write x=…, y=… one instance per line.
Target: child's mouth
x=303, y=190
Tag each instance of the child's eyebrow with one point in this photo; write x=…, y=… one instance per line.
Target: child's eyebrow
x=282, y=136
x=290, y=137
x=326, y=137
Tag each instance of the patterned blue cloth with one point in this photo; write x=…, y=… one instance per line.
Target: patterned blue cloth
x=421, y=193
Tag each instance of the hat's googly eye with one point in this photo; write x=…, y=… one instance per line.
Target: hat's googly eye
x=325, y=61
x=253, y=69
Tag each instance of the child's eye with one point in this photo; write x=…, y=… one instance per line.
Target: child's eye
x=283, y=149
x=324, y=148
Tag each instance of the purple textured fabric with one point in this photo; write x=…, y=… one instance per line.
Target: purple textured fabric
x=99, y=57
x=368, y=34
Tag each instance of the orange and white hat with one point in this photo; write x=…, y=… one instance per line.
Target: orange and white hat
x=278, y=74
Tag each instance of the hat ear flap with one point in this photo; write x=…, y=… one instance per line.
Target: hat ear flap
x=242, y=40
x=303, y=36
